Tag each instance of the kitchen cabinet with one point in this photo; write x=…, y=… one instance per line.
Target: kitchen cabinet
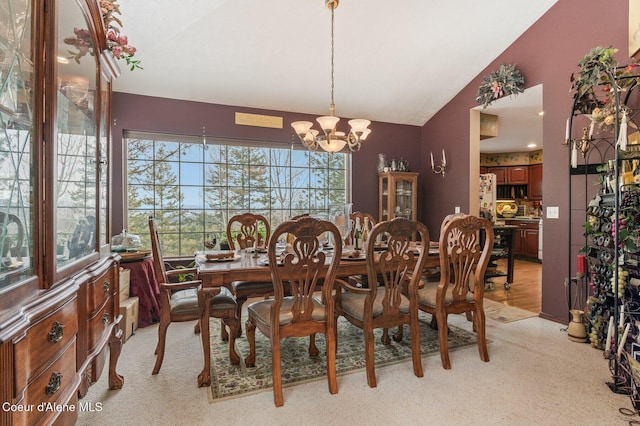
x=57, y=272
x=526, y=238
x=513, y=175
x=535, y=182
x=398, y=195
x=501, y=174
x=518, y=175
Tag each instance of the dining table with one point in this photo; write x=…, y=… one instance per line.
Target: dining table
x=246, y=265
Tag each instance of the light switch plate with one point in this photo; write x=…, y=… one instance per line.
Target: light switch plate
x=553, y=212
x=456, y=209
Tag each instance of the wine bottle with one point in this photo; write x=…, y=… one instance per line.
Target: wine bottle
x=365, y=232
x=357, y=235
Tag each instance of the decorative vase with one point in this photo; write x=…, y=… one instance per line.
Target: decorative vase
x=577, y=331
x=382, y=162
x=340, y=215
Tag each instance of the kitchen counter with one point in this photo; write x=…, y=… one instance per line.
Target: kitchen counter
x=520, y=219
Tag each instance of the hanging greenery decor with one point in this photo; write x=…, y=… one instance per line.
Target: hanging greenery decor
x=594, y=93
x=506, y=81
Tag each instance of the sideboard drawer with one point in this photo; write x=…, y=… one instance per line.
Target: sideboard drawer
x=99, y=289
x=54, y=387
x=44, y=341
x=99, y=325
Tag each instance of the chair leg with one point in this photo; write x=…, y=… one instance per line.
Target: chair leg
x=224, y=336
x=313, y=349
x=162, y=335
x=240, y=301
x=250, y=327
x=196, y=328
x=369, y=358
x=399, y=334
x=331, y=360
x=479, y=322
x=415, y=345
x=276, y=370
x=442, y=339
x=385, y=337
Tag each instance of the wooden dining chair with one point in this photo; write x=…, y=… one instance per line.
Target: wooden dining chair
x=302, y=313
x=180, y=301
x=463, y=261
x=393, y=302
x=242, y=232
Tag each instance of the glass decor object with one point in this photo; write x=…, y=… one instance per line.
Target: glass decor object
x=340, y=215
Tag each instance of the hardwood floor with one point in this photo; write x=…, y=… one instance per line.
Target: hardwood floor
x=526, y=289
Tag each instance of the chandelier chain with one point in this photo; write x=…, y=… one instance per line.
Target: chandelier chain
x=332, y=79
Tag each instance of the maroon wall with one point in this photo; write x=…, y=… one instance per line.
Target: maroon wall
x=145, y=113
x=546, y=54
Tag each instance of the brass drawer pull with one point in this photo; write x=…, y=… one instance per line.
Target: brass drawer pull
x=54, y=383
x=57, y=330
x=105, y=318
x=105, y=286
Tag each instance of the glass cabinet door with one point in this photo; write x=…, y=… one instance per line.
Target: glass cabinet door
x=103, y=164
x=76, y=138
x=16, y=142
x=404, y=196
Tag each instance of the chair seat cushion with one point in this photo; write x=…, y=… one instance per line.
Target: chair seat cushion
x=251, y=287
x=260, y=310
x=427, y=294
x=353, y=304
x=185, y=302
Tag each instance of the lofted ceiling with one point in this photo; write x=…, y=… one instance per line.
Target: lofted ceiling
x=396, y=62
x=519, y=122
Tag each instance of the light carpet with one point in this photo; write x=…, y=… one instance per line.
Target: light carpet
x=504, y=313
x=229, y=381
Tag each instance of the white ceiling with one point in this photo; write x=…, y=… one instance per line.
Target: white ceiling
x=396, y=62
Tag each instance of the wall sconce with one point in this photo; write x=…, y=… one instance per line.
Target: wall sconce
x=440, y=170
x=583, y=144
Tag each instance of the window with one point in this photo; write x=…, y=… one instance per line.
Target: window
x=193, y=188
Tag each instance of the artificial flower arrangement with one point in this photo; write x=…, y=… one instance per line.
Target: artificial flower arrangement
x=117, y=42
x=594, y=86
x=506, y=81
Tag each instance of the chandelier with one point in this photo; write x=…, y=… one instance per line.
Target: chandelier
x=331, y=140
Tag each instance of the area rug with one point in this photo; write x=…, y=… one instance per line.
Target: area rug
x=504, y=313
x=229, y=381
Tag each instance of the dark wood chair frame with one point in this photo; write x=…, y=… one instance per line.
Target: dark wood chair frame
x=463, y=254
x=393, y=302
x=204, y=305
x=242, y=232
x=300, y=314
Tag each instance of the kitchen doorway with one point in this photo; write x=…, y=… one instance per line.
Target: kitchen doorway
x=518, y=126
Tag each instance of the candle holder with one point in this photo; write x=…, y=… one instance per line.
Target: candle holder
x=441, y=169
